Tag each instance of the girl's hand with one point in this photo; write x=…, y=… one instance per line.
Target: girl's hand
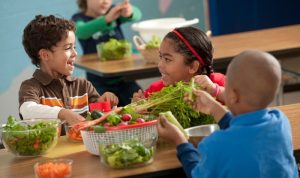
x=205, y=83
x=170, y=132
x=108, y=96
x=114, y=13
x=137, y=96
x=127, y=9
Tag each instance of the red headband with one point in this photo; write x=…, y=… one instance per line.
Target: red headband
x=189, y=46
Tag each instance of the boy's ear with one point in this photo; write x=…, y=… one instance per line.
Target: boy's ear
x=234, y=96
x=43, y=54
x=194, y=67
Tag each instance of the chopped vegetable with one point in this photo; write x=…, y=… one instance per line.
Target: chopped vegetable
x=114, y=119
x=73, y=134
x=129, y=110
x=30, y=140
x=87, y=124
x=140, y=120
x=99, y=128
x=127, y=154
x=96, y=114
x=170, y=98
x=115, y=49
x=170, y=117
x=192, y=87
x=57, y=170
x=89, y=116
x=126, y=117
x=154, y=42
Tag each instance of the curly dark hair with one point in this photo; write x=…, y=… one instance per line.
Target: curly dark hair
x=201, y=44
x=44, y=32
x=82, y=4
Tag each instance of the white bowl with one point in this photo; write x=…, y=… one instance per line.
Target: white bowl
x=160, y=27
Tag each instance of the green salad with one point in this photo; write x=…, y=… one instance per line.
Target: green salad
x=154, y=42
x=130, y=153
x=114, y=49
x=32, y=139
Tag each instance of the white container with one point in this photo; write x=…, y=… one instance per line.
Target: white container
x=160, y=27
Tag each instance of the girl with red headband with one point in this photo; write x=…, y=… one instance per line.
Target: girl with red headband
x=185, y=53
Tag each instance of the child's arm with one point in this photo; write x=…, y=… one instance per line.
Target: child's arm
x=207, y=85
x=85, y=30
x=104, y=24
x=70, y=117
x=31, y=110
x=130, y=14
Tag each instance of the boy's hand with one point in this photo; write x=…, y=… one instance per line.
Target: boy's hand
x=205, y=83
x=70, y=117
x=137, y=96
x=127, y=9
x=205, y=103
x=170, y=132
x=114, y=13
x=108, y=96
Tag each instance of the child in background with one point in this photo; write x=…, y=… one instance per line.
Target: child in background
x=253, y=141
x=52, y=92
x=97, y=22
x=186, y=52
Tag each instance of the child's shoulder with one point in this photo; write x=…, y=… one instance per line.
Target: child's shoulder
x=79, y=16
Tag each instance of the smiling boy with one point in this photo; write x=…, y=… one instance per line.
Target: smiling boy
x=52, y=92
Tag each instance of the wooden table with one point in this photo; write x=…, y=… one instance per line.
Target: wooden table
x=282, y=42
x=133, y=68
x=86, y=165
x=292, y=111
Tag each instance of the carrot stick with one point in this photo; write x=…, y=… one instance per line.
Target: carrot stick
x=85, y=124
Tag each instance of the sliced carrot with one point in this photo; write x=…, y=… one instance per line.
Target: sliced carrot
x=57, y=170
x=36, y=144
x=74, y=134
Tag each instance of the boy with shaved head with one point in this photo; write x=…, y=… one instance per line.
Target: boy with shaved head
x=253, y=141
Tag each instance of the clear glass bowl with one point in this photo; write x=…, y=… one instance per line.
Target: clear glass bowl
x=33, y=137
x=72, y=134
x=114, y=50
x=57, y=168
x=128, y=154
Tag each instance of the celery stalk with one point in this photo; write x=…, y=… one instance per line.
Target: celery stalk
x=192, y=86
x=170, y=117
